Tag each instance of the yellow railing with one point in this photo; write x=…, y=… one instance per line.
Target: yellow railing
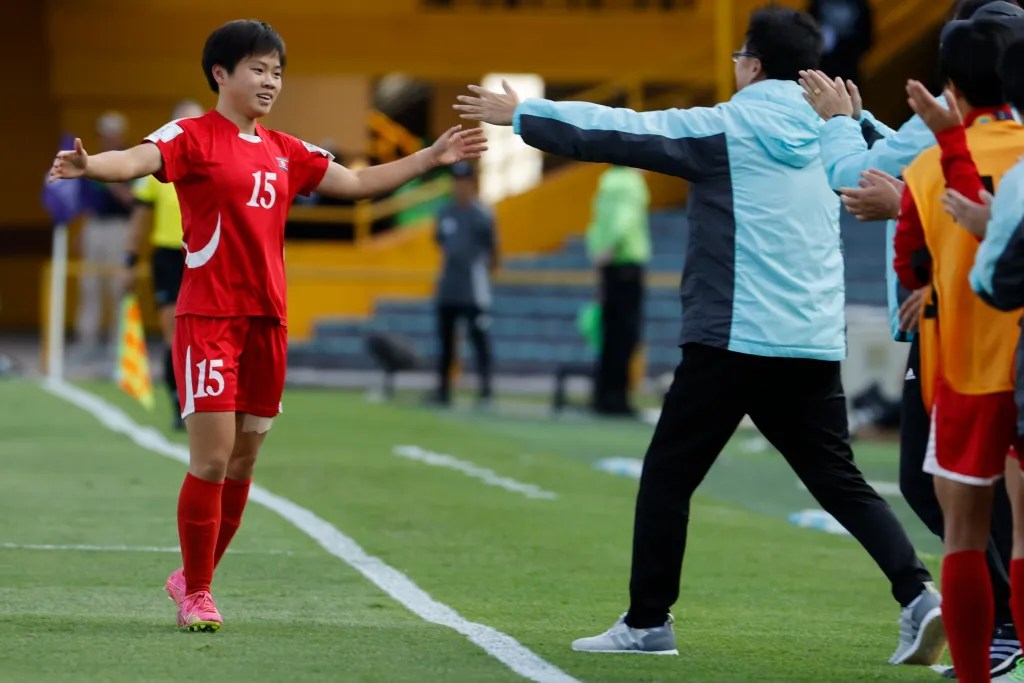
x=391, y=140
x=362, y=215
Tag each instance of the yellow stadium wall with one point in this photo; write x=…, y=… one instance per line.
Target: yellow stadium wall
x=143, y=70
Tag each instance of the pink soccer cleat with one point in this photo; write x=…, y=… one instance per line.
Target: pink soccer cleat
x=198, y=612
x=175, y=586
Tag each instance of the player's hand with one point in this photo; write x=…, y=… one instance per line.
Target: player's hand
x=458, y=145
x=910, y=309
x=931, y=112
x=488, y=106
x=826, y=96
x=877, y=199
x=972, y=215
x=70, y=163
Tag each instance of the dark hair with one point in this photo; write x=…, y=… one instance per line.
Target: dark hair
x=970, y=58
x=785, y=40
x=236, y=40
x=965, y=9
x=1011, y=74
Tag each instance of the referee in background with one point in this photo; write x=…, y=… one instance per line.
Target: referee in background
x=157, y=213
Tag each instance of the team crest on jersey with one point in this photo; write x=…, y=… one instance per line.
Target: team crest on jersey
x=282, y=163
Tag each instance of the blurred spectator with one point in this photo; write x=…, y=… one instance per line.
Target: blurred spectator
x=847, y=30
x=101, y=246
x=619, y=244
x=466, y=234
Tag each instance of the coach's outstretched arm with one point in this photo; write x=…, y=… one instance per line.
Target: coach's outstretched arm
x=674, y=142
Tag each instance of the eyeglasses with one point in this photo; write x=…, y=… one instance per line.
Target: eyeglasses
x=739, y=53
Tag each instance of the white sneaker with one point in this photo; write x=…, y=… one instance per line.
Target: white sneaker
x=922, y=635
x=660, y=640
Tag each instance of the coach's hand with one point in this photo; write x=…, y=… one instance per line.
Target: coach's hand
x=877, y=199
x=488, y=106
x=828, y=97
x=972, y=215
x=935, y=116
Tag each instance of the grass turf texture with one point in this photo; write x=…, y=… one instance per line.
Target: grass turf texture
x=761, y=599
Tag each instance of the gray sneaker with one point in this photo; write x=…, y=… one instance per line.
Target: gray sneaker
x=659, y=640
x=922, y=635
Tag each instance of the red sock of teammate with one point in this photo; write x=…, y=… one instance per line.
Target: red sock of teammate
x=232, y=503
x=198, y=526
x=968, y=612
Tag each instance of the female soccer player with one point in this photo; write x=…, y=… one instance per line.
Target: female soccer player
x=235, y=181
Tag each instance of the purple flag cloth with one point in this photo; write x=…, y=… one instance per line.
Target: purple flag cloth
x=63, y=199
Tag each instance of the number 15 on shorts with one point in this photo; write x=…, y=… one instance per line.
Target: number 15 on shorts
x=203, y=380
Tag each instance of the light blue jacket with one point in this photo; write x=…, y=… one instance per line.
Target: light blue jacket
x=764, y=264
x=846, y=155
x=998, y=273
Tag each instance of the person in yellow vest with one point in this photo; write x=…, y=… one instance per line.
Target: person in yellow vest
x=158, y=214
x=967, y=347
x=619, y=245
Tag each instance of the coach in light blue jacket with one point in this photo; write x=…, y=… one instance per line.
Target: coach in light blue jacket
x=763, y=314
x=764, y=268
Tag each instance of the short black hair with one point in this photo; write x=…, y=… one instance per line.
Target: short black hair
x=965, y=9
x=1012, y=75
x=236, y=40
x=970, y=58
x=785, y=40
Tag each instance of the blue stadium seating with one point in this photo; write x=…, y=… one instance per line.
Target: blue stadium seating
x=534, y=326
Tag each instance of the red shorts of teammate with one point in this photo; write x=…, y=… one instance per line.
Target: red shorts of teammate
x=230, y=364
x=971, y=436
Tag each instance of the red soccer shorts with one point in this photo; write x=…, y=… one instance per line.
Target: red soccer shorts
x=971, y=436
x=230, y=364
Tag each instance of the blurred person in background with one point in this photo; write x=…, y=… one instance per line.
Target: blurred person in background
x=158, y=215
x=619, y=245
x=846, y=27
x=466, y=234
x=102, y=241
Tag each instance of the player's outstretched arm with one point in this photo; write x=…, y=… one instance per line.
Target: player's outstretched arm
x=108, y=167
x=454, y=145
x=688, y=143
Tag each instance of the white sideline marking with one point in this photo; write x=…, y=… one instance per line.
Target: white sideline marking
x=624, y=467
x=501, y=646
x=489, y=477
x=125, y=549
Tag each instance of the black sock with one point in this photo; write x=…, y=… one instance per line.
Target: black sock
x=172, y=385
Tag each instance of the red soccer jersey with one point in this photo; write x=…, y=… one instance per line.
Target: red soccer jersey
x=235, y=191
